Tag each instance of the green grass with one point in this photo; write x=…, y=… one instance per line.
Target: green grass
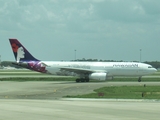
x=68, y=78
x=38, y=79
x=17, y=70
x=22, y=73
x=53, y=78
x=124, y=92
x=118, y=92
x=134, y=79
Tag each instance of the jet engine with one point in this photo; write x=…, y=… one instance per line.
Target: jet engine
x=98, y=76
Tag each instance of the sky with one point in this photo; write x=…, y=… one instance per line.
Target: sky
x=75, y=29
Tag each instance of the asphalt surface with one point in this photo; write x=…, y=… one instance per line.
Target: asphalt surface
x=44, y=100
x=54, y=90
x=78, y=110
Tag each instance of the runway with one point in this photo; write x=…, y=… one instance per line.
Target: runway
x=78, y=110
x=55, y=90
x=44, y=100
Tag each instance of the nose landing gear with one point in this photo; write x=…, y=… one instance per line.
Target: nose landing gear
x=139, y=79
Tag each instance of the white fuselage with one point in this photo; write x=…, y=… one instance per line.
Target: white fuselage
x=111, y=68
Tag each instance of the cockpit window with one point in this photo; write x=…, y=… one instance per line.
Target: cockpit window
x=150, y=67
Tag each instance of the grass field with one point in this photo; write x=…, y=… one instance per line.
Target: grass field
x=41, y=77
x=118, y=92
x=124, y=92
x=19, y=72
x=38, y=79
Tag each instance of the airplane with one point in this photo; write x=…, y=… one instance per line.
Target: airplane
x=85, y=71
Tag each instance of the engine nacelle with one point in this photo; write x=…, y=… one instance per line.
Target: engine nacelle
x=98, y=76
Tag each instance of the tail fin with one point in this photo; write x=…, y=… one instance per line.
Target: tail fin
x=20, y=52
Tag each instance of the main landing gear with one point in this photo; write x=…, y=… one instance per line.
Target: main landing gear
x=139, y=79
x=82, y=80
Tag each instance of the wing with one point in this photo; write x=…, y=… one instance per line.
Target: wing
x=81, y=70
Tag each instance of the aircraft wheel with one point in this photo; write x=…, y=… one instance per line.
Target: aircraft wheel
x=82, y=80
x=139, y=80
x=77, y=80
x=87, y=80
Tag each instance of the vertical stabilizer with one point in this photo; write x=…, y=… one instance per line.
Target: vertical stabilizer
x=25, y=59
x=20, y=52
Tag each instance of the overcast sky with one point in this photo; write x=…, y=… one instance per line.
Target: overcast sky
x=96, y=29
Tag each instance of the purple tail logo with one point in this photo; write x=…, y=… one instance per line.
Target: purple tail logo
x=20, y=52
x=23, y=56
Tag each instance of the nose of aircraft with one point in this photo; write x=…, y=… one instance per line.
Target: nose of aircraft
x=155, y=70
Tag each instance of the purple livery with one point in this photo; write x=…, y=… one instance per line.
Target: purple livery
x=23, y=56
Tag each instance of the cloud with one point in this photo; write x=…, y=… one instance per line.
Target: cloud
x=87, y=23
